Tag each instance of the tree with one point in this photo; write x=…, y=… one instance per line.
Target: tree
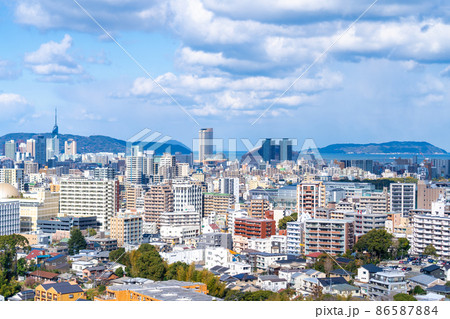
x=282, y=223
x=91, y=232
x=430, y=250
x=403, y=247
x=76, y=241
x=120, y=256
x=328, y=265
x=404, y=297
x=376, y=242
x=22, y=267
x=8, y=263
x=148, y=263
x=418, y=291
x=119, y=272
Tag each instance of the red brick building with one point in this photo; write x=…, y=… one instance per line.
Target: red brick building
x=254, y=227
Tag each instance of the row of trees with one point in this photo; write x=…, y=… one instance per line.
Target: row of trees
x=146, y=262
x=8, y=263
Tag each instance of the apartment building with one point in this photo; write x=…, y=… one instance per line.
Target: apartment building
x=273, y=244
x=187, y=195
x=127, y=229
x=432, y=228
x=67, y=223
x=216, y=202
x=334, y=236
x=158, y=199
x=403, y=197
x=188, y=217
x=62, y=291
x=295, y=237
x=375, y=202
x=258, y=207
x=89, y=197
x=365, y=222
x=254, y=227
x=310, y=196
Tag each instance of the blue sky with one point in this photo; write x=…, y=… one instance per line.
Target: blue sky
x=225, y=63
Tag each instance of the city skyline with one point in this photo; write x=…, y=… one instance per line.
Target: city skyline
x=225, y=65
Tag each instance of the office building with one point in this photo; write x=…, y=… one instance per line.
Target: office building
x=403, y=197
x=334, y=236
x=30, y=168
x=158, y=199
x=206, y=144
x=40, y=157
x=67, y=223
x=127, y=229
x=12, y=176
x=39, y=205
x=10, y=149
x=187, y=195
x=52, y=148
x=31, y=147
x=70, y=147
x=428, y=193
x=104, y=173
x=90, y=197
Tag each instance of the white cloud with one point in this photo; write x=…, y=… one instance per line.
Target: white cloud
x=13, y=107
x=52, y=61
x=8, y=70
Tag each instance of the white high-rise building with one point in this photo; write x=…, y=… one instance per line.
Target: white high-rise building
x=432, y=228
x=187, y=195
x=206, y=147
x=89, y=197
x=52, y=148
x=9, y=210
x=403, y=197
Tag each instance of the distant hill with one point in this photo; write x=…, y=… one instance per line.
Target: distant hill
x=96, y=143
x=384, y=148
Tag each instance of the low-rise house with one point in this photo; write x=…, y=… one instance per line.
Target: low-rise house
x=434, y=270
x=79, y=266
x=40, y=275
x=93, y=271
x=237, y=267
x=58, y=262
x=305, y=281
x=424, y=281
x=385, y=284
x=341, y=273
x=366, y=272
x=62, y=291
x=288, y=274
x=345, y=290
x=263, y=261
x=26, y=295
x=272, y=283
x=328, y=283
x=440, y=289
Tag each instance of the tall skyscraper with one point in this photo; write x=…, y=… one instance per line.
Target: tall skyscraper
x=40, y=150
x=205, y=145
x=55, y=127
x=10, y=149
x=31, y=147
x=70, y=147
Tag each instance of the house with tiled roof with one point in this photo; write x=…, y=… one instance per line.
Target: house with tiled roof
x=41, y=275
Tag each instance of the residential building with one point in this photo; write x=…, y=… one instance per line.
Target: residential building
x=62, y=291
x=365, y=222
x=254, y=227
x=104, y=173
x=258, y=207
x=428, y=193
x=70, y=147
x=158, y=199
x=215, y=240
x=272, y=283
x=216, y=202
x=403, y=197
x=230, y=185
x=89, y=197
x=10, y=149
x=310, y=196
x=385, y=284
x=127, y=229
x=39, y=205
x=9, y=210
x=375, y=202
x=187, y=195
x=295, y=237
x=333, y=236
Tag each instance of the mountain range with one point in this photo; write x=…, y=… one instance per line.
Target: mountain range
x=97, y=143
x=384, y=148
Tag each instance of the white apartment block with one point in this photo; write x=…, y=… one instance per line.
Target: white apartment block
x=217, y=256
x=403, y=197
x=178, y=234
x=365, y=222
x=229, y=185
x=432, y=228
x=295, y=237
x=39, y=205
x=89, y=197
x=232, y=215
x=187, y=217
x=273, y=244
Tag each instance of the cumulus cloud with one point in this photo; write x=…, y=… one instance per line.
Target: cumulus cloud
x=13, y=107
x=52, y=62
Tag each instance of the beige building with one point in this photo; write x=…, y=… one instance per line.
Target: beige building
x=158, y=199
x=258, y=208
x=310, y=196
x=127, y=229
x=426, y=194
x=134, y=196
x=70, y=147
x=216, y=202
x=39, y=205
x=378, y=202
